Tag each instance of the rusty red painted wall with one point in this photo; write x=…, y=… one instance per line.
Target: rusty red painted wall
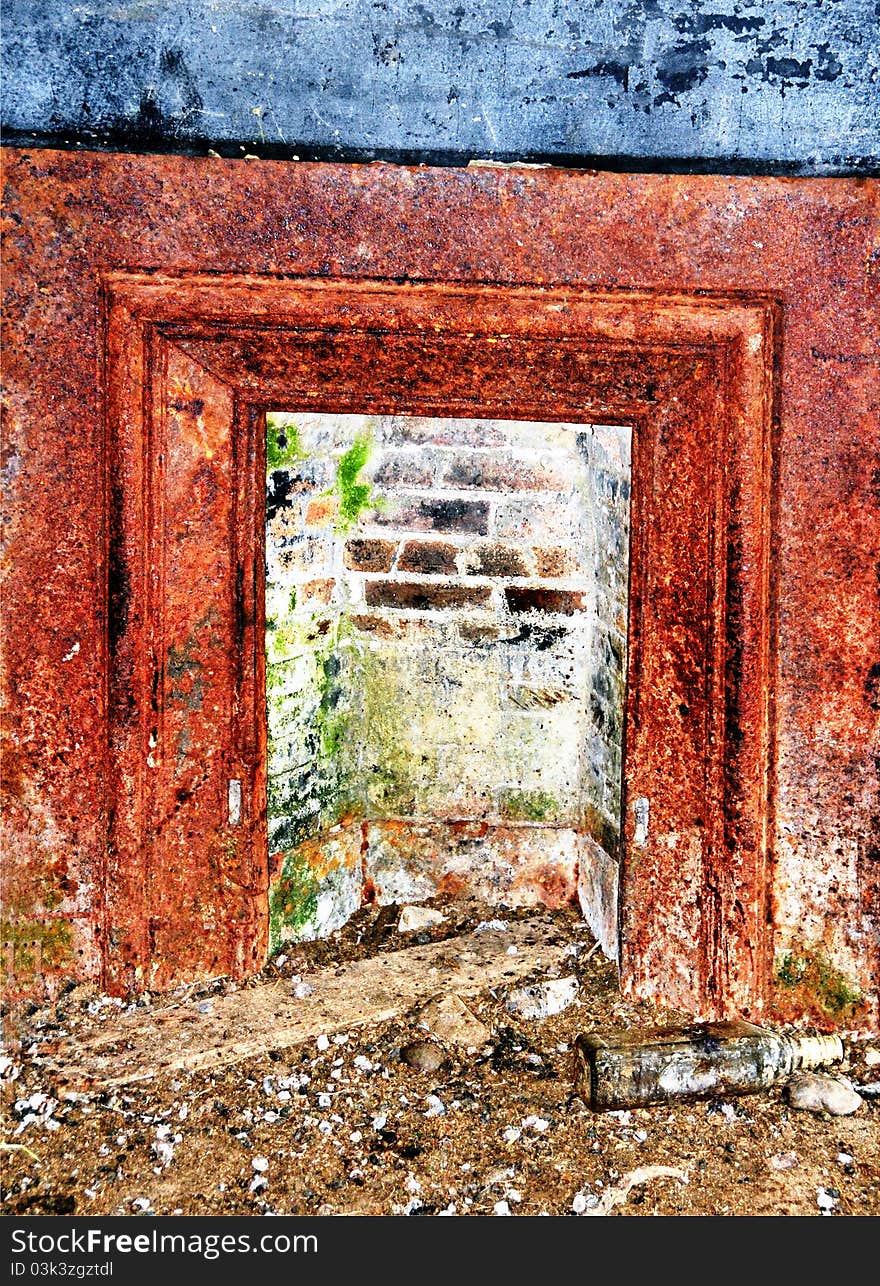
x=810, y=244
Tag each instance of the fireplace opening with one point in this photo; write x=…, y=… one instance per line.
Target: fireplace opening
x=446, y=616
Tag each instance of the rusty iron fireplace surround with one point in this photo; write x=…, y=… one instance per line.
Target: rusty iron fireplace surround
x=156, y=307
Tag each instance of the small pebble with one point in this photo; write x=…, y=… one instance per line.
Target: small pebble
x=827, y=1199
x=422, y=1056
x=811, y=1092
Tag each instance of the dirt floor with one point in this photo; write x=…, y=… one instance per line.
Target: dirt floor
x=345, y=1125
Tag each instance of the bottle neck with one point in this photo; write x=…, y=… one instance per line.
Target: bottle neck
x=815, y=1051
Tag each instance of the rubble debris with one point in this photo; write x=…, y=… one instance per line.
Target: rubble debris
x=450, y=1020
x=617, y=1195
x=414, y=918
x=348, y=1128
x=139, y=1044
x=809, y=1092
x=544, y=998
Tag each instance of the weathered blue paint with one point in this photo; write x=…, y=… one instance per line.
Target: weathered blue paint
x=773, y=85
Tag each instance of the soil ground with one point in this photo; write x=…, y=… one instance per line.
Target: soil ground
x=351, y=1129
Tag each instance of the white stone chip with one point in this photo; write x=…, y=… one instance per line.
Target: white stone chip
x=413, y=918
x=543, y=998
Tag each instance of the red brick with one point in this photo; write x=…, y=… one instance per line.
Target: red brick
x=370, y=555
x=429, y=556
x=495, y=560
x=502, y=473
x=322, y=512
x=443, y=432
x=438, y=515
x=531, y=598
x=317, y=591
x=374, y=625
x=404, y=471
x=424, y=596
x=554, y=561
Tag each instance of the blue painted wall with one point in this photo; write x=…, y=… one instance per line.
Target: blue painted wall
x=783, y=85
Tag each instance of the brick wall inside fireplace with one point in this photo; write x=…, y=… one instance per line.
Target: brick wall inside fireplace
x=446, y=606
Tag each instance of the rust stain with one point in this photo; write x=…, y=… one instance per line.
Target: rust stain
x=731, y=325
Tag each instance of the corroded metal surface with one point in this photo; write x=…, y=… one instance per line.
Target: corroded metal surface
x=722, y=291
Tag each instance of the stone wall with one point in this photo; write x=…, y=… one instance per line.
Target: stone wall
x=768, y=85
x=446, y=635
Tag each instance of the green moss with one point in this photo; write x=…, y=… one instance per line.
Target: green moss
x=529, y=806
x=394, y=772
x=283, y=446
x=293, y=899
x=354, y=496
x=812, y=973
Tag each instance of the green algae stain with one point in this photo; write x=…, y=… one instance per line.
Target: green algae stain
x=812, y=974
x=529, y=806
x=283, y=446
x=394, y=772
x=293, y=900
x=354, y=496
x=39, y=946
